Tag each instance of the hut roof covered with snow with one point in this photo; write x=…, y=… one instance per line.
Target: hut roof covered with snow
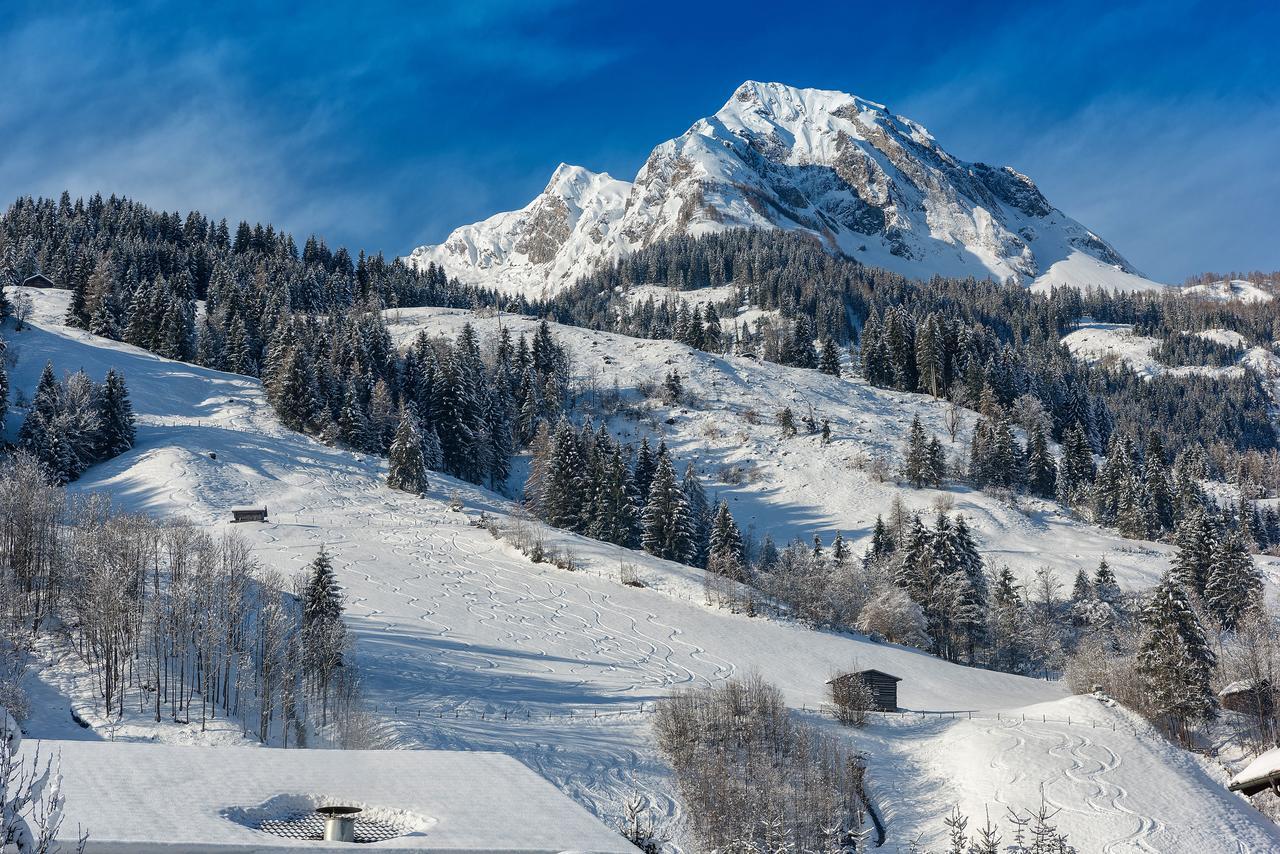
x=1259, y=775
x=162, y=798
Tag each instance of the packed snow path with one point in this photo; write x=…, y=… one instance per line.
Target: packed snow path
x=448, y=618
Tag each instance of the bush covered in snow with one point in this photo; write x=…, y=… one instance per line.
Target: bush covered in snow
x=756, y=779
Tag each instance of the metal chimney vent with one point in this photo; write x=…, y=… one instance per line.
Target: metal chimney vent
x=339, y=823
x=334, y=824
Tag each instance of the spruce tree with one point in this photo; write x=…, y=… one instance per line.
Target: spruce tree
x=1194, y=540
x=115, y=418
x=699, y=513
x=1105, y=586
x=644, y=469
x=1233, y=584
x=667, y=526
x=725, y=552
x=915, y=463
x=1175, y=659
x=1041, y=471
x=322, y=599
x=407, y=468
x=829, y=359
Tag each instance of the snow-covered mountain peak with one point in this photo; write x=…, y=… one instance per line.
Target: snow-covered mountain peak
x=553, y=239
x=864, y=182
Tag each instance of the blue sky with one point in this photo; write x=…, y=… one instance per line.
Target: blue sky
x=384, y=125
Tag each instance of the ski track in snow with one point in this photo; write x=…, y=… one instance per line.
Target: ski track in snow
x=448, y=620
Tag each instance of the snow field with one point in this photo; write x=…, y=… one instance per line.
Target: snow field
x=447, y=618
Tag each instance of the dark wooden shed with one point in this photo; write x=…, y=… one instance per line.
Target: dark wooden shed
x=249, y=514
x=884, y=687
x=39, y=280
x=1249, y=696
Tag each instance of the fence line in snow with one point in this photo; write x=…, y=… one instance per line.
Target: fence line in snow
x=903, y=717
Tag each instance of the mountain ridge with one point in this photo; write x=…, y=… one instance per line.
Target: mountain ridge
x=866, y=183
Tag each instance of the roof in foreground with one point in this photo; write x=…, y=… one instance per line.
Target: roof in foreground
x=1260, y=774
x=162, y=798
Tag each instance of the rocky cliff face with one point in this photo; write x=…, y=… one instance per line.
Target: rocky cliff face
x=864, y=182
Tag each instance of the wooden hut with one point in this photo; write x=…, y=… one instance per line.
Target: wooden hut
x=1248, y=696
x=884, y=687
x=249, y=514
x=39, y=280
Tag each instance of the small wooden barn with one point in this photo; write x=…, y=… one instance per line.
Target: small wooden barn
x=39, y=280
x=1249, y=696
x=249, y=514
x=884, y=687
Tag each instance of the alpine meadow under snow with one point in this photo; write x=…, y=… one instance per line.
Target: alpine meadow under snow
x=816, y=491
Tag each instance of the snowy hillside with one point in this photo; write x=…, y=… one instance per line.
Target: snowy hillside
x=862, y=181
x=1097, y=342
x=797, y=487
x=465, y=644
x=1236, y=290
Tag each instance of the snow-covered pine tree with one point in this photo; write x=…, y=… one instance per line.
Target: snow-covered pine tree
x=115, y=418
x=699, y=514
x=935, y=463
x=322, y=599
x=1076, y=471
x=829, y=358
x=407, y=467
x=1105, y=586
x=667, y=526
x=725, y=555
x=930, y=356
x=1194, y=540
x=1009, y=625
x=616, y=511
x=839, y=549
x=353, y=419
x=564, y=489
x=1157, y=485
x=1041, y=471
x=1233, y=584
x=915, y=455
x=1175, y=659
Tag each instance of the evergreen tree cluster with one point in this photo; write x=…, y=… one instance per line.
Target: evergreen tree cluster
x=584, y=480
x=74, y=423
x=1213, y=565
x=961, y=339
x=940, y=568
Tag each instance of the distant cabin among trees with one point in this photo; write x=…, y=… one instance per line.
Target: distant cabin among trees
x=39, y=280
x=883, y=687
x=249, y=514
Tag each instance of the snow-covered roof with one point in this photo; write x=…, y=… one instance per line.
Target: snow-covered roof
x=1259, y=774
x=1243, y=686
x=144, y=798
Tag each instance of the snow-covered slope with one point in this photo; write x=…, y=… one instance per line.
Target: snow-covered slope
x=796, y=487
x=864, y=182
x=1236, y=290
x=449, y=620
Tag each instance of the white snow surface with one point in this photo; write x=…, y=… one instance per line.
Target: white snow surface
x=141, y=798
x=1236, y=290
x=862, y=181
x=451, y=622
x=1117, y=342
